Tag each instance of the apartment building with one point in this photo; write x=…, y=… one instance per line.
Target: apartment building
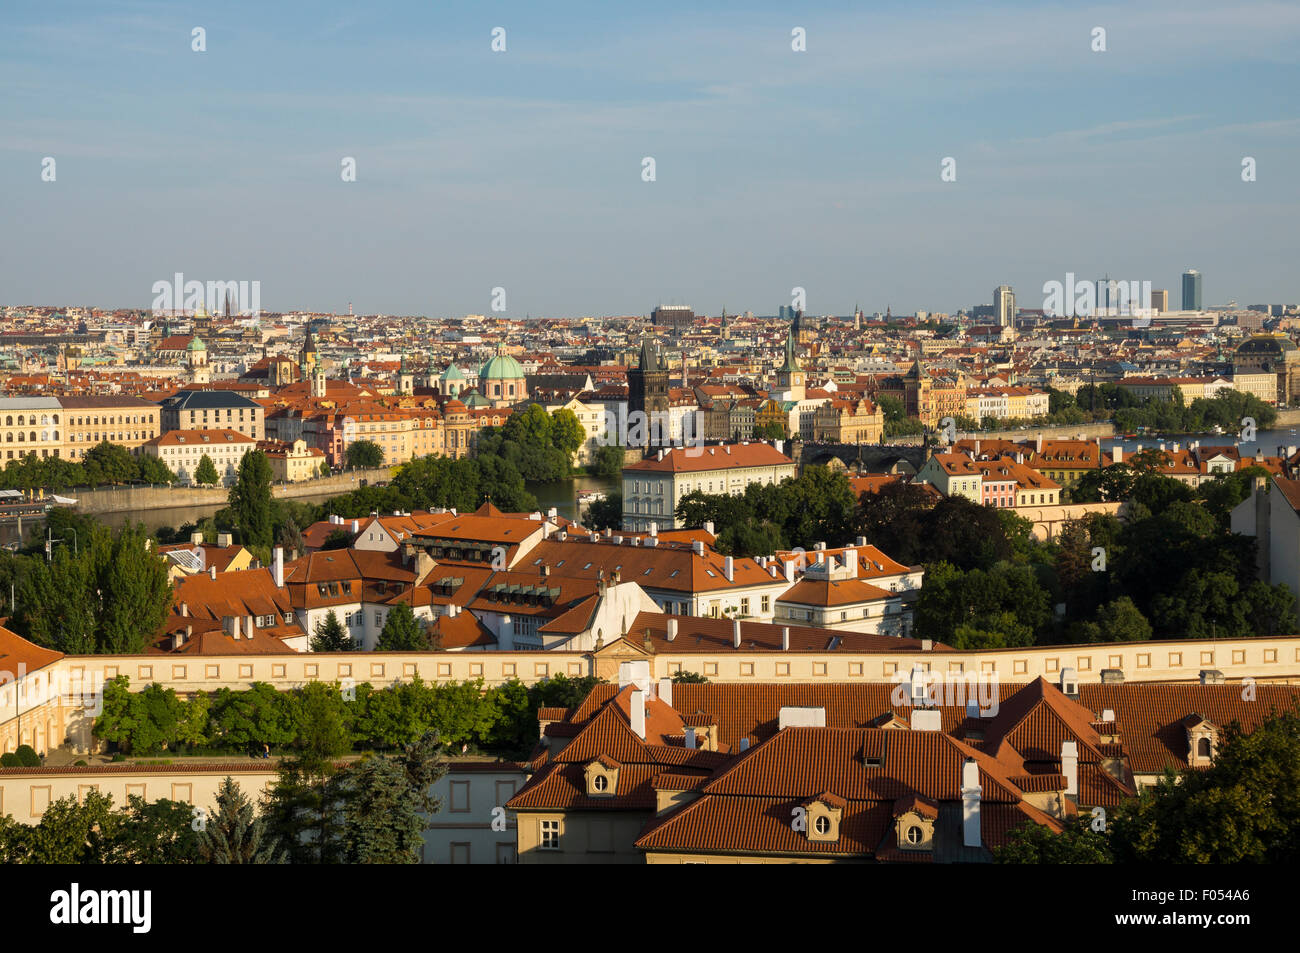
x=31, y=425
x=653, y=486
x=183, y=451
x=128, y=421
x=214, y=410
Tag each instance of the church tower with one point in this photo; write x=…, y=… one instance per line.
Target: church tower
x=309, y=355
x=405, y=379
x=318, y=385
x=791, y=379
x=647, y=392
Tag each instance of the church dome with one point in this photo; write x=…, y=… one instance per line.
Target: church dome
x=503, y=367
x=452, y=373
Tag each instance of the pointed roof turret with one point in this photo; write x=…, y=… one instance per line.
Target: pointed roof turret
x=649, y=356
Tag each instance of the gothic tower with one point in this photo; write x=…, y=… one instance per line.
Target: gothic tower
x=647, y=392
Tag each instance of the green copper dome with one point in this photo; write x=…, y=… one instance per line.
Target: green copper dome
x=503, y=367
x=452, y=373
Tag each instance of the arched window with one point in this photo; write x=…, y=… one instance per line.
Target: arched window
x=20, y=437
x=9, y=421
x=56, y=418
x=823, y=824
x=33, y=436
x=21, y=421
x=1203, y=748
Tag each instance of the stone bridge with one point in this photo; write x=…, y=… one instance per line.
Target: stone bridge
x=862, y=457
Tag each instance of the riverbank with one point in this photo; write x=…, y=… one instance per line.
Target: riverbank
x=134, y=499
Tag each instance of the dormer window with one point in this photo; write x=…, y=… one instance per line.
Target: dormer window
x=914, y=822
x=602, y=777
x=825, y=811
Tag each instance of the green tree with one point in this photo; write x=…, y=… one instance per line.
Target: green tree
x=689, y=678
x=388, y=802
x=251, y=501
x=607, y=462
x=364, y=455
x=134, y=593
x=1122, y=621
x=153, y=470
x=234, y=834
x=330, y=636
x=148, y=832
x=606, y=513
x=1034, y=843
x=1245, y=808
x=567, y=432
x=402, y=631
x=320, y=725
x=109, y=463
x=206, y=472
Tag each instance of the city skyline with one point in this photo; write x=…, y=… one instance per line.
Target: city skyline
x=523, y=169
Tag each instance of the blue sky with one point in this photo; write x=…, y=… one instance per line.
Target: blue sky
x=522, y=169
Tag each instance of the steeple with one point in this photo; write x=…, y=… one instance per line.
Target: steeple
x=649, y=356
x=791, y=362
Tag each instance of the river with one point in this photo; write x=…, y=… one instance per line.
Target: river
x=1266, y=441
x=563, y=495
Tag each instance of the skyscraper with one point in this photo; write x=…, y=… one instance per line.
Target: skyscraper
x=1004, y=306
x=1160, y=301
x=1191, y=290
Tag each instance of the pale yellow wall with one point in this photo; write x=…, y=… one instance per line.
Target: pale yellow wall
x=586, y=837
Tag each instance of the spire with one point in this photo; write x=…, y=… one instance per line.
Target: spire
x=791, y=362
x=649, y=356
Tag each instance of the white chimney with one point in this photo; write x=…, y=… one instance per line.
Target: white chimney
x=708, y=527
x=861, y=542
x=690, y=739
x=1038, y=444
x=729, y=569
x=1069, y=683
x=789, y=570
x=735, y=632
x=212, y=572
x=917, y=683
x=279, y=567
x=672, y=629
x=185, y=608
x=248, y=627
x=785, y=638
x=638, y=713
x=1117, y=453
x=970, y=803
x=654, y=529
x=356, y=526
x=801, y=716
x=697, y=547
x=927, y=719
x=666, y=690
x=851, y=562
x=1070, y=766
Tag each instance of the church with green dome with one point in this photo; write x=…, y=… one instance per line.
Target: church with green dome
x=501, y=381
